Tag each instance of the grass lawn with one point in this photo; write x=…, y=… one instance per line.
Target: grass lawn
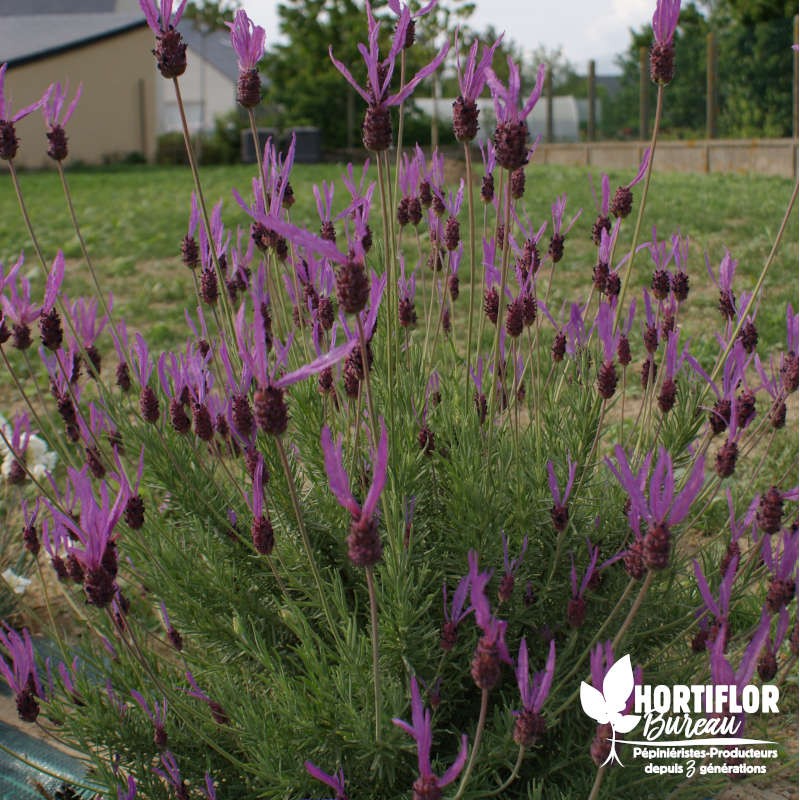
x=134, y=218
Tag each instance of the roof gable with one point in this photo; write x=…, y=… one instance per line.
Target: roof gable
x=26, y=38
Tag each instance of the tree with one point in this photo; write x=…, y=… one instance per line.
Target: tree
x=302, y=81
x=684, y=106
x=211, y=14
x=754, y=73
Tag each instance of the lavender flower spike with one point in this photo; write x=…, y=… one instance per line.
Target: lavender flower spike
x=511, y=135
x=376, y=128
x=471, y=80
x=664, y=507
x=559, y=512
x=363, y=543
x=622, y=202
x=170, y=50
x=428, y=784
x=457, y=613
x=530, y=724
x=9, y=144
x=21, y=676
x=662, y=54
x=53, y=104
x=336, y=782
x=248, y=44
x=160, y=18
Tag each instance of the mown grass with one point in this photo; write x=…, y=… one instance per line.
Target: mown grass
x=133, y=220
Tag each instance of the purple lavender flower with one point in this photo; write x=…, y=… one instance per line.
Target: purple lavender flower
x=172, y=633
x=663, y=508
x=261, y=528
x=408, y=20
x=602, y=223
x=52, y=106
x=717, y=608
x=471, y=80
x=456, y=614
x=789, y=363
x=672, y=362
x=217, y=711
x=129, y=791
x=428, y=785
x=492, y=649
x=556, y=249
x=559, y=512
x=510, y=138
x=248, y=44
x=724, y=281
x=17, y=306
x=609, y=338
x=780, y=557
x=662, y=53
x=22, y=676
x=336, y=781
x=722, y=673
x=170, y=50
x=376, y=128
x=406, y=291
x=95, y=531
x=363, y=543
x=157, y=715
x=530, y=725
x=510, y=567
x=622, y=202
x=9, y=143
x=576, y=606
x=768, y=661
x=172, y=775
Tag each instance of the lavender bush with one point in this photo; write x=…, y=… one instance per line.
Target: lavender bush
x=369, y=528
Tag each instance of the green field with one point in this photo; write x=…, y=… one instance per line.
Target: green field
x=134, y=218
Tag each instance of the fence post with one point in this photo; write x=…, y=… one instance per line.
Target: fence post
x=548, y=87
x=711, y=86
x=590, y=120
x=644, y=93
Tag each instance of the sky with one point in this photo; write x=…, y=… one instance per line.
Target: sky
x=583, y=29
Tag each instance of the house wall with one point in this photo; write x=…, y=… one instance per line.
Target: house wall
x=116, y=115
x=220, y=94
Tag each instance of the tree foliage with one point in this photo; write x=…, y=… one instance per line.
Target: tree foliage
x=303, y=83
x=211, y=14
x=754, y=73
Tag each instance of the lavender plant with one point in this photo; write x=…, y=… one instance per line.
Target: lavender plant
x=254, y=529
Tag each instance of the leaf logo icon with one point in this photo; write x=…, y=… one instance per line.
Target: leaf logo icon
x=608, y=707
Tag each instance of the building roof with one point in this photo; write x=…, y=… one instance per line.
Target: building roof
x=19, y=8
x=214, y=47
x=24, y=38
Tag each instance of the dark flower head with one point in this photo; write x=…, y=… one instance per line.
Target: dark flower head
x=662, y=53
x=52, y=106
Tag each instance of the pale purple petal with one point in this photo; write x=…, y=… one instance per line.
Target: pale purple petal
x=547, y=678
x=379, y=464
x=454, y=770
x=337, y=477
x=348, y=77
x=687, y=495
